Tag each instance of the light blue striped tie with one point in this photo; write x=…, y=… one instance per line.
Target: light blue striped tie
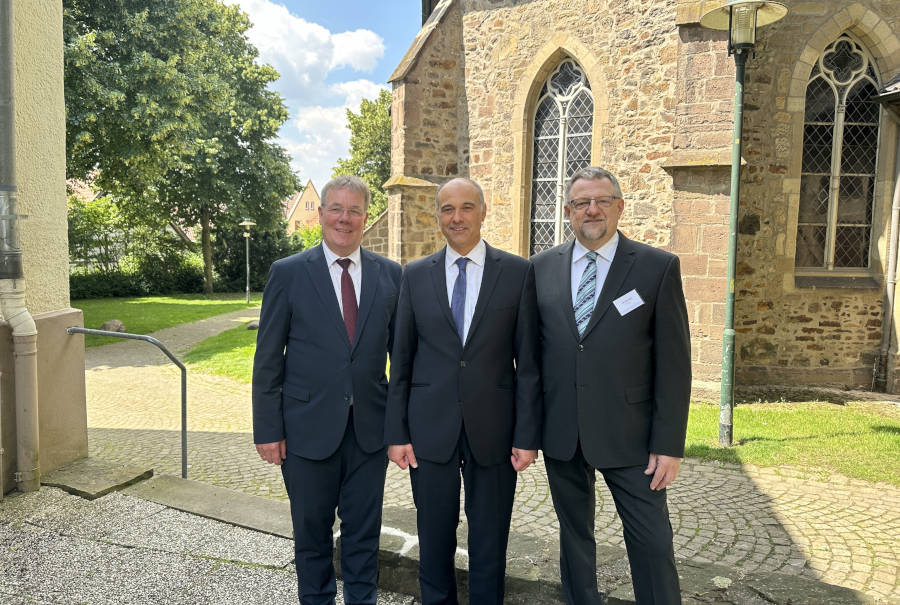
x=584, y=299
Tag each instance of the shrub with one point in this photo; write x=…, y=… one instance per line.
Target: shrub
x=97, y=284
x=229, y=257
x=170, y=272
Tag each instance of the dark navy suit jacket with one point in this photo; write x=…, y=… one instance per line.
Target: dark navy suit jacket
x=491, y=384
x=306, y=372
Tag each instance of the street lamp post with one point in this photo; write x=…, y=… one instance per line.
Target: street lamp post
x=246, y=224
x=740, y=18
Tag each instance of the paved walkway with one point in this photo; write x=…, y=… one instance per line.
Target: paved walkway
x=839, y=530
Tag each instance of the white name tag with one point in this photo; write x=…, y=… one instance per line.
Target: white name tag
x=628, y=302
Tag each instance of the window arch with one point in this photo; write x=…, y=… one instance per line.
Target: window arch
x=840, y=149
x=563, y=124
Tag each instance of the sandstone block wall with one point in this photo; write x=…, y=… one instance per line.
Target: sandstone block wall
x=663, y=90
x=375, y=237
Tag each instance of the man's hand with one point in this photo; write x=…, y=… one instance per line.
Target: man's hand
x=664, y=470
x=272, y=452
x=522, y=459
x=403, y=455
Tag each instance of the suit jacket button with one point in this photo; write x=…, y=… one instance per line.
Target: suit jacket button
x=462, y=364
x=581, y=347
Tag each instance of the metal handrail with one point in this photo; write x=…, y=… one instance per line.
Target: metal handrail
x=162, y=347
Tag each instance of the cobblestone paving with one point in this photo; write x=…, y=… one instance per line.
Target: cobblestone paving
x=832, y=528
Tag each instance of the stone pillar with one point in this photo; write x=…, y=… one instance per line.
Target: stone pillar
x=412, y=226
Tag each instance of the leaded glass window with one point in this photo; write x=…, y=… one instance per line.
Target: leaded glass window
x=840, y=148
x=563, y=123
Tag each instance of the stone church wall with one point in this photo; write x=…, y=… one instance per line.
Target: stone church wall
x=663, y=90
x=788, y=332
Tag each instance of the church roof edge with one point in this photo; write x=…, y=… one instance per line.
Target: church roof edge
x=409, y=59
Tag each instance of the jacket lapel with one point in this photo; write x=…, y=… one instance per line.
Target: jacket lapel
x=439, y=280
x=321, y=280
x=371, y=270
x=618, y=271
x=489, y=277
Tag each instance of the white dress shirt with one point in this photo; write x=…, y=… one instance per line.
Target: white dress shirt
x=474, y=272
x=335, y=271
x=605, y=254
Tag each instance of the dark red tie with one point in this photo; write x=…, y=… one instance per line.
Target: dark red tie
x=348, y=297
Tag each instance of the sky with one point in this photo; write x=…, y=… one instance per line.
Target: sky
x=331, y=54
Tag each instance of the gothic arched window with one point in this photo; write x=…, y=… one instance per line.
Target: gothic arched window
x=563, y=123
x=840, y=148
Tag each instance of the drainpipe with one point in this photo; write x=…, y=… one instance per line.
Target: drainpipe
x=881, y=373
x=12, y=283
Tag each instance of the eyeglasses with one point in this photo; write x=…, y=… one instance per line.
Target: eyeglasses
x=336, y=211
x=582, y=203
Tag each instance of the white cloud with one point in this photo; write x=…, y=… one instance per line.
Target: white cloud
x=304, y=54
x=359, y=49
x=317, y=135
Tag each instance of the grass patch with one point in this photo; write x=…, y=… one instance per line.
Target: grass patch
x=859, y=439
x=146, y=314
x=227, y=354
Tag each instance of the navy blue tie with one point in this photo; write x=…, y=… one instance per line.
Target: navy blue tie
x=458, y=301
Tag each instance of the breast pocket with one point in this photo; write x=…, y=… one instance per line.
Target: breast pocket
x=295, y=392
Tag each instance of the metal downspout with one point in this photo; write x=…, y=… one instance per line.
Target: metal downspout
x=881, y=374
x=12, y=283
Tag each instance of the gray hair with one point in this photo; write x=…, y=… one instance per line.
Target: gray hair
x=592, y=173
x=347, y=181
x=459, y=178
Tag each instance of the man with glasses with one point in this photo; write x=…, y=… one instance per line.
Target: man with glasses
x=616, y=373
x=319, y=390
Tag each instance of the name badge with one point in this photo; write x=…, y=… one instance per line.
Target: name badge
x=628, y=302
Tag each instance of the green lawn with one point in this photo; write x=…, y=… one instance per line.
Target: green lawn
x=146, y=314
x=227, y=354
x=857, y=439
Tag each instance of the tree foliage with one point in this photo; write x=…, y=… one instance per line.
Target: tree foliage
x=306, y=237
x=168, y=107
x=132, y=69
x=370, y=148
x=230, y=256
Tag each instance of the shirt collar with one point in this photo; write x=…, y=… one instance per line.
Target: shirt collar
x=331, y=257
x=475, y=255
x=607, y=251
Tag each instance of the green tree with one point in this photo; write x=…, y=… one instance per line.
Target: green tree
x=229, y=255
x=306, y=237
x=131, y=94
x=200, y=152
x=370, y=148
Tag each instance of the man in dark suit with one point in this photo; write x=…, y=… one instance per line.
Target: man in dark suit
x=319, y=391
x=465, y=395
x=616, y=372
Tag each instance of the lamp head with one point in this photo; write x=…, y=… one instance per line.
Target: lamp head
x=741, y=18
x=246, y=224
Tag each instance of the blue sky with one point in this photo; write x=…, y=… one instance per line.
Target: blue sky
x=331, y=55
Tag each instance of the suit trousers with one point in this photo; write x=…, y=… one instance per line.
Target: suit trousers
x=352, y=481
x=489, y=492
x=645, y=519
